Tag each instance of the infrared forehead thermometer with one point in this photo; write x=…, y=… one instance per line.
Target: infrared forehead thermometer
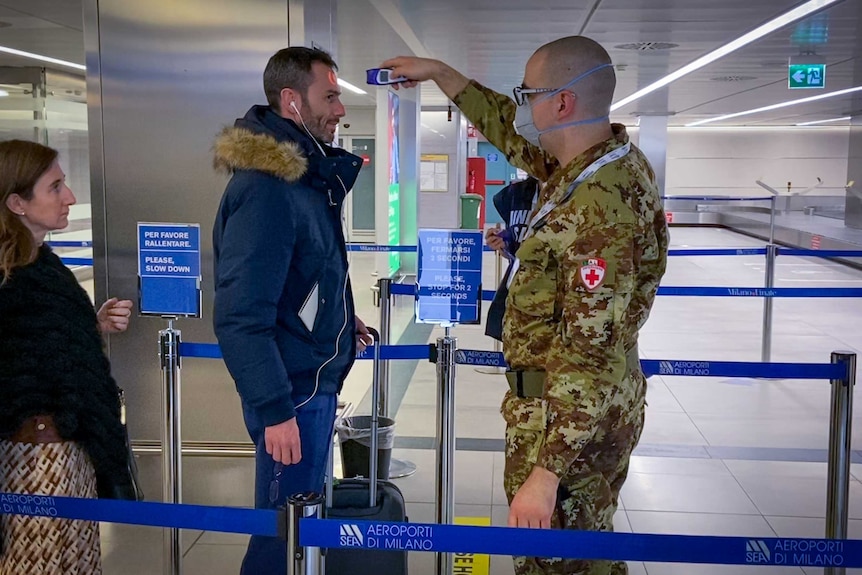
x=382, y=77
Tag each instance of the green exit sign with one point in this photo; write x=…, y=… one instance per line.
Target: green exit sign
x=806, y=76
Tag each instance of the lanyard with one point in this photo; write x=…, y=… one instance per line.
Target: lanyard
x=541, y=217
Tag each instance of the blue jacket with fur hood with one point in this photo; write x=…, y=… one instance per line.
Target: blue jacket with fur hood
x=283, y=311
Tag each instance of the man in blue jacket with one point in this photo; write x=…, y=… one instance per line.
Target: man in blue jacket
x=514, y=203
x=284, y=314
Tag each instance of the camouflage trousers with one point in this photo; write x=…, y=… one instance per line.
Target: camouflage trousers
x=588, y=493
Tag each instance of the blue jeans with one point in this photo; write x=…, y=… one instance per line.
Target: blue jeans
x=275, y=482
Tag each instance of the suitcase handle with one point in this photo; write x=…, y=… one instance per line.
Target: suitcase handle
x=375, y=422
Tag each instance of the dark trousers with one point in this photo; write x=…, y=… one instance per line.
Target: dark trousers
x=275, y=482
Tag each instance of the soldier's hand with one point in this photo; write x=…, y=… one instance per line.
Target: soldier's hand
x=420, y=69
x=534, y=503
x=415, y=69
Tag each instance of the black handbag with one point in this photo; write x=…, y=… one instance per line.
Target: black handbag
x=128, y=488
x=494, y=321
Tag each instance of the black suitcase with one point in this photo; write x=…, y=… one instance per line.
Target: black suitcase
x=352, y=499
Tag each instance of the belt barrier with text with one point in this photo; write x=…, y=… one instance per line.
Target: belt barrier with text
x=649, y=366
x=411, y=248
x=331, y=533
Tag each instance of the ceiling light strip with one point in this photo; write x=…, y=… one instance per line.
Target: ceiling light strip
x=824, y=121
x=348, y=86
x=775, y=106
x=48, y=59
x=759, y=32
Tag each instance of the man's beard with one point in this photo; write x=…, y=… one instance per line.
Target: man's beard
x=316, y=124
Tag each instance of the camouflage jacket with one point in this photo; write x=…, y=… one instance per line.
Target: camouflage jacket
x=587, y=278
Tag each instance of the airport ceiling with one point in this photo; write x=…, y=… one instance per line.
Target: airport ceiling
x=491, y=40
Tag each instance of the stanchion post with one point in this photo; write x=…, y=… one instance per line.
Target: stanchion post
x=772, y=204
x=302, y=560
x=769, y=283
x=446, y=347
x=397, y=467
x=169, y=354
x=840, y=427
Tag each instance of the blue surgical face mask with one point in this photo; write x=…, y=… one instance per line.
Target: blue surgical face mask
x=526, y=128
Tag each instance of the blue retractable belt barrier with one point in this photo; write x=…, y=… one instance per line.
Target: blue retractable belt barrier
x=718, y=252
x=758, y=291
x=693, y=368
x=417, y=351
x=410, y=289
x=331, y=533
x=225, y=519
x=487, y=295
x=402, y=289
x=649, y=366
x=743, y=369
x=212, y=351
x=820, y=253
x=77, y=261
x=70, y=244
x=674, y=252
x=204, y=350
x=377, y=248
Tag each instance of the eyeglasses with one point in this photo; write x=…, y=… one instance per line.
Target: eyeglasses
x=273, y=485
x=521, y=92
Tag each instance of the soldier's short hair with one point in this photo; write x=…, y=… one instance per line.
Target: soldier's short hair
x=566, y=58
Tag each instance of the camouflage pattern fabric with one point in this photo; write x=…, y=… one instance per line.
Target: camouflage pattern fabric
x=586, y=283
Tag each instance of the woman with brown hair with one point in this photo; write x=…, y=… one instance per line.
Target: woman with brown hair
x=60, y=428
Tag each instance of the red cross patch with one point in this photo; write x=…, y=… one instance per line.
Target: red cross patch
x=592, y=273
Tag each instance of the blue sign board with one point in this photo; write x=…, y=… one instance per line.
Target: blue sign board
x=169, y=269
x=449, y=282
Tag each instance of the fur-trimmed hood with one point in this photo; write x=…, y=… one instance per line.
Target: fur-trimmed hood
x=264, y=141
x=242, y=149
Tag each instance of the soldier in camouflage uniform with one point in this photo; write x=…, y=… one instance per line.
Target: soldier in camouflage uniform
x=586, y=280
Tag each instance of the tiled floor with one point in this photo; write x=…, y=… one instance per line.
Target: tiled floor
x=718, y=456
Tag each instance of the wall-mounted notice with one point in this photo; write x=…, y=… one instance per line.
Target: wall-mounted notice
x=434, y=173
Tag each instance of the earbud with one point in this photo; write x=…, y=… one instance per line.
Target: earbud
x=293, y=105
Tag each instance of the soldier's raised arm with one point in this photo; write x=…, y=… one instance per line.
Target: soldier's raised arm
x=492, y=113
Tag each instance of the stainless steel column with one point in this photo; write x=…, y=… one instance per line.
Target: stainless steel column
x=169, y=354
x=397, y=467
x=769, y=282
x=302, y=560
x=838, y=474
x=446, y=347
